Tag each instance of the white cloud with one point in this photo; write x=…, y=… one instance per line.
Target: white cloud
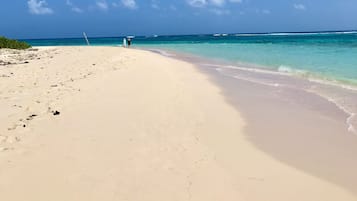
x=73, y=7
x=102, y=5
x=38, y=7
x=217, y=2
x=236, y=1
x=129, y=4
x=299, y=7
x=197, y=3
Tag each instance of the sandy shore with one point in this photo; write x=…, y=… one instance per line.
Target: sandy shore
x=107, y=123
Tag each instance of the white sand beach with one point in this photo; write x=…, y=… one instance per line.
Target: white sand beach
x=109, y=123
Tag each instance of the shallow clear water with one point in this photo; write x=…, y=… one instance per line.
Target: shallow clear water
x=326, y=56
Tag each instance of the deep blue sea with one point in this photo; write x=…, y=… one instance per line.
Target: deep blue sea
x=328, y=56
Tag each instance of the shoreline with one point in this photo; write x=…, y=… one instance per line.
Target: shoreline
x=275, y=78
x=257, y=68
x=139, y=126
x=299, y=128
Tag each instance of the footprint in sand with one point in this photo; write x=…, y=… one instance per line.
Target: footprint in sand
x=13, y=127
x=3, y=149
x=18, y=106
x=31, y=117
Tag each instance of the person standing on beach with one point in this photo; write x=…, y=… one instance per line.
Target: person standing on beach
x=129, y=42
x=124, y=42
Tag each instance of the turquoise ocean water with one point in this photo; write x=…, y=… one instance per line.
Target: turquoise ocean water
x=329, y=56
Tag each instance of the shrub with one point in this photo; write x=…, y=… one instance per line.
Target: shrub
x=13, y=44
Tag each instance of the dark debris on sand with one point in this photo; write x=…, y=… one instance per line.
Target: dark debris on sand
x=55, y=113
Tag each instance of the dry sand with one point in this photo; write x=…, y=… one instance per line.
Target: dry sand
x=132, y=125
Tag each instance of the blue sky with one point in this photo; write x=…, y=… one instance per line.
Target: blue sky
x=69, y=18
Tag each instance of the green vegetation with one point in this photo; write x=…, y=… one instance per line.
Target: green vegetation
x=13, y=44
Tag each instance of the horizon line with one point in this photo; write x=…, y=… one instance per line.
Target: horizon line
x=195, y=34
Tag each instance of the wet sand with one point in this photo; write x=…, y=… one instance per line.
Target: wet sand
x=292, y=119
